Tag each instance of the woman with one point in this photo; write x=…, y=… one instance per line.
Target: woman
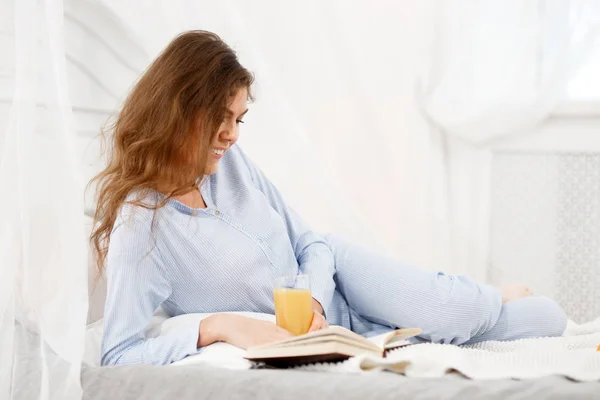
x=187, y=222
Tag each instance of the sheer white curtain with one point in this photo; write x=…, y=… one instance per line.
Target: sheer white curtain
x=335, y=124
x=498, y=69
x=43, y=293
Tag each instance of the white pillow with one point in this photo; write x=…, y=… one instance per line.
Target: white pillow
x=218, y=354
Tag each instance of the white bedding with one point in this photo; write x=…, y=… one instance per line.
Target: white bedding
x=573, y=355
x=218, y=354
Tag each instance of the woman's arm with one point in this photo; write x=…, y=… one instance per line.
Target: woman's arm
x=312, y=252
x=239, y=331
x=137, y=286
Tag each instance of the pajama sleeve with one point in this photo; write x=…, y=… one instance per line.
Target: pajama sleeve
x=137, y=286
x=312, y=252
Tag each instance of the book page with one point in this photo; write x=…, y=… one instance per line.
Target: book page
x=308, y=354
x=332, y=332
x=327, y=339
x=399, y=337
x=379, y=340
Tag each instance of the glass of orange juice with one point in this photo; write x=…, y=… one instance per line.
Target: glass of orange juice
x=293, y=303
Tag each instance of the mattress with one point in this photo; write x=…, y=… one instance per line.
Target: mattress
x=212, y=374
x=202, y=382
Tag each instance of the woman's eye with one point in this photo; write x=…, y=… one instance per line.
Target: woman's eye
x=239, y=121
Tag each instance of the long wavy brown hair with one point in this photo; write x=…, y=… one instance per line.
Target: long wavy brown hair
x=160, y=140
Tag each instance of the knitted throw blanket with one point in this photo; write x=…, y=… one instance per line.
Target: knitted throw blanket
x=573, y=355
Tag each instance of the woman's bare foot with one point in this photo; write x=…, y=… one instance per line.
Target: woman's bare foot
x=514, y=292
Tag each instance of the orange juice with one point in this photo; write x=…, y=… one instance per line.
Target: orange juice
x=293, y=309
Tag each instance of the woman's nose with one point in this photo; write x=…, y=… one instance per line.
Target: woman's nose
x=229, y=134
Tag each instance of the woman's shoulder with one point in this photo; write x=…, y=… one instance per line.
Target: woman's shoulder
x=235, y=155
x=138, y=209
x=237, y=162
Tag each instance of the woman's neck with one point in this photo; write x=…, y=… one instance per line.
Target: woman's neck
x=192, y=199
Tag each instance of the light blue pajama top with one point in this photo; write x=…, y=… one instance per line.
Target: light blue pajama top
x=218, y=259
x=224, y=258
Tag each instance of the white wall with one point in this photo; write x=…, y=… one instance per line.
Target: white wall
x=346, y=145
x=545, y=220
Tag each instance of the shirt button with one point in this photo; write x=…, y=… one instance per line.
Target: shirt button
x=239, y=226
x=217, y=212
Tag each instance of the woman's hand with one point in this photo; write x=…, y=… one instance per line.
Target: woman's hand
x=239, y=331
x=318, y=321
x=514, y=292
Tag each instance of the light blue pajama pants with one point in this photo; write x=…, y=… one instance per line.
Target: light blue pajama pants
x=375, y=293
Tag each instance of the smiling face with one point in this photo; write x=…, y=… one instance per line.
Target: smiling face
x=169, y=125
x=228, y=132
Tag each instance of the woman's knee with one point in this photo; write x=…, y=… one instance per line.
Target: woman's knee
x=333, y=240
x=338, y=246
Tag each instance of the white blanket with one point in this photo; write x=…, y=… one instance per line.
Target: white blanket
x=573, y=355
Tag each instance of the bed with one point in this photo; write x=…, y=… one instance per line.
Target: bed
x=218, y=373
x=198, y=381
x=202, y=382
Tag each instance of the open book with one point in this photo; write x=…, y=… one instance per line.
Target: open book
x=332, y=344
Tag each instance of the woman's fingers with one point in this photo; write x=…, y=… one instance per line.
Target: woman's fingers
x=314, y=325
x=284, y=333
x=318, y=322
